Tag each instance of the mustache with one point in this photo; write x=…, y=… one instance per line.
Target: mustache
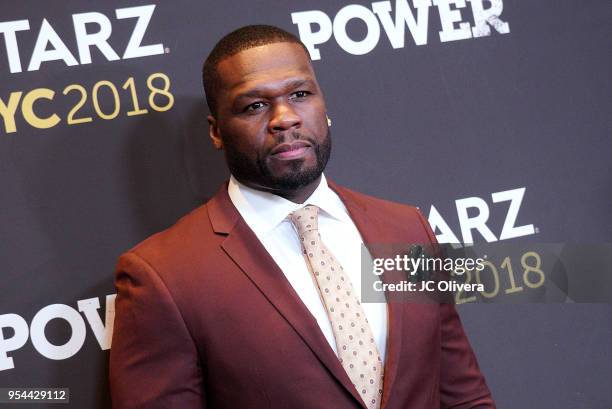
x=291, y=136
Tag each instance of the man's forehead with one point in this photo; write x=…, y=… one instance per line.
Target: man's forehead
x=276, y=62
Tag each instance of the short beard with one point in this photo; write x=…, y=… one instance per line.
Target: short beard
x=244, y=170
x=298, y=179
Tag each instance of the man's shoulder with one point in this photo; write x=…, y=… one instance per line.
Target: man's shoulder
x=191, y=233
x=399, y=220
x=376, y=204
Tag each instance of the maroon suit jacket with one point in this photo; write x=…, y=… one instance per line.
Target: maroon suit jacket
x=206, y=319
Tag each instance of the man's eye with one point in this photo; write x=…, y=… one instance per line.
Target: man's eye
x=300, y=94
x=254, y=106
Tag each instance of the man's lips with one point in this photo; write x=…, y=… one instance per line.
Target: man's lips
x=292, y=150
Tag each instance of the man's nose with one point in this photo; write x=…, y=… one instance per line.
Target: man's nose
x=284, y=118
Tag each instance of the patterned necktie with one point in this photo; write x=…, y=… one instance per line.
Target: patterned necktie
x=355, y=344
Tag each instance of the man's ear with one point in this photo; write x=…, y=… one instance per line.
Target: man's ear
x=213, y=132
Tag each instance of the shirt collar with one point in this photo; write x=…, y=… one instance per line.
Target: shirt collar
x=264, y=211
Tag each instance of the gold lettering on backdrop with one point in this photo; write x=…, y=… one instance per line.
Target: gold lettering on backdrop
x=8, y=111
x=159, y=98
x=27, y=108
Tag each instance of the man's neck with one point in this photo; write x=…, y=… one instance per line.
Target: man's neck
x=298, y=196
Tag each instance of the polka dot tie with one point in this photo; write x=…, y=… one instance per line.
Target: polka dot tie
x=355, y=344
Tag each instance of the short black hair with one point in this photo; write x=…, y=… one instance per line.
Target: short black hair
x=238, y=40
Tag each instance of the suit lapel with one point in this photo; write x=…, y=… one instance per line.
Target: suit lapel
x=245, y=249
x=374, y=230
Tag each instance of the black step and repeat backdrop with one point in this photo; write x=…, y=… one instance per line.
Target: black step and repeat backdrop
x=493, y=116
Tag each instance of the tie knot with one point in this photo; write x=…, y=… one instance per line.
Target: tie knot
x=305, y=219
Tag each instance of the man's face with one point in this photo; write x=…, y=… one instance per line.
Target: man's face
x=271, y=118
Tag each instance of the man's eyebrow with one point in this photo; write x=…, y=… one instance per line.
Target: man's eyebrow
x=258, y=91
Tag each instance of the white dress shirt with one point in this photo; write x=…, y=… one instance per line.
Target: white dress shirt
x=266, y=214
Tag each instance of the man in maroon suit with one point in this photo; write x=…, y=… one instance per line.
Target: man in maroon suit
x=252, y=300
